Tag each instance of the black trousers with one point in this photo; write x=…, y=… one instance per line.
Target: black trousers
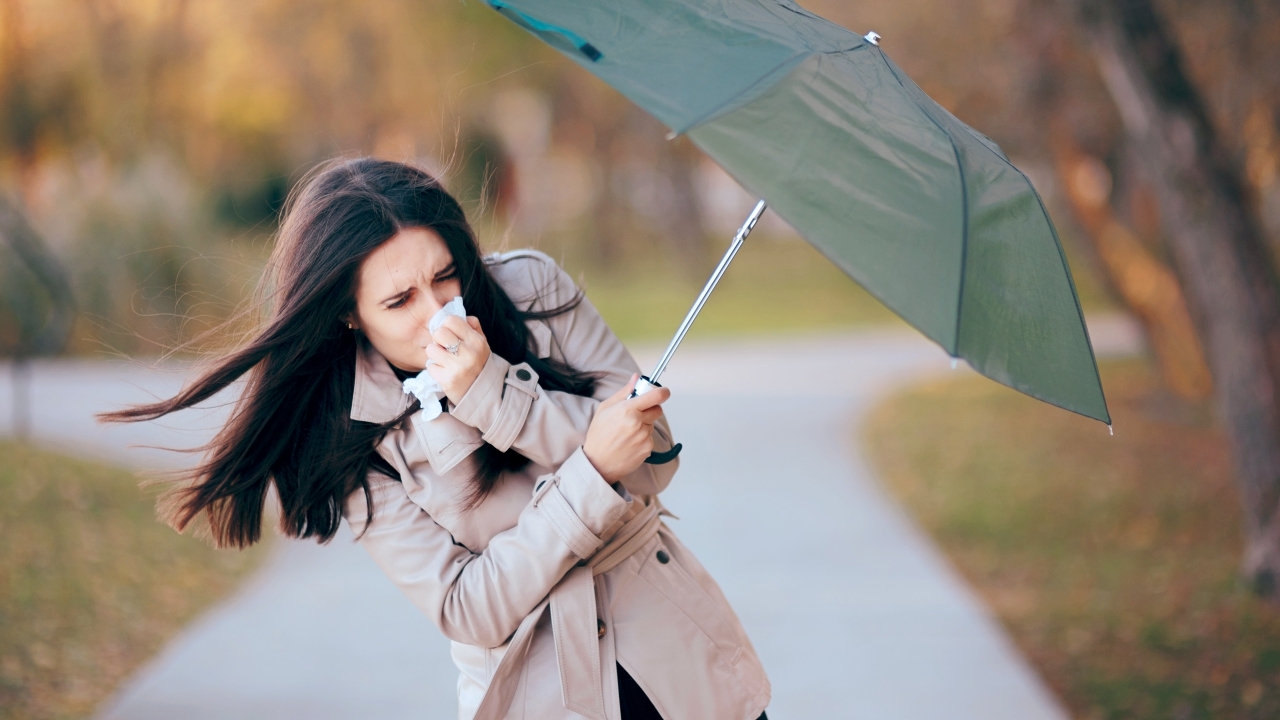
x=635, y=704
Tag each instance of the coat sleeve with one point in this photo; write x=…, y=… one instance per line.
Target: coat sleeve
x=512, y=410
x=480, y=598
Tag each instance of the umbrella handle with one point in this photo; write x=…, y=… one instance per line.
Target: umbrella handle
x=662, y=458
x=644, y=385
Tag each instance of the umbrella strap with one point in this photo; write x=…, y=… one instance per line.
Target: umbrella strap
x=533, y=23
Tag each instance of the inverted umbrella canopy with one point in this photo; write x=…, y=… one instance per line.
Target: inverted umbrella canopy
x=923, y=211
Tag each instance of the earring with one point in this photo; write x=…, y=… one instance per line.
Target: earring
x=351, y=326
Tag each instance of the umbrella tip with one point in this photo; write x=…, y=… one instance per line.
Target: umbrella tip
x=872, y=37
x=953, y=363
x=1111, y=430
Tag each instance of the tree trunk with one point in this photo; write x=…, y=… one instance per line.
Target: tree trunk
x=1145, y=284
x=1218, y=248
x=20, y=381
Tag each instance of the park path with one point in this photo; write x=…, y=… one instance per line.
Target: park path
x=853, y=611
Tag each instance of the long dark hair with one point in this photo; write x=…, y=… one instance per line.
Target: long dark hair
x=292, y=424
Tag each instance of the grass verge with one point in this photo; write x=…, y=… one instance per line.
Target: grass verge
x=773, y=285
x=91, y=585
x=1112, y=561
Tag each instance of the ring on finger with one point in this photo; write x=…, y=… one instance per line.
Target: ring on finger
x=452, y=349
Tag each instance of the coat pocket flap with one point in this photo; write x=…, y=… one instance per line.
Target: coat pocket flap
x=447, y=441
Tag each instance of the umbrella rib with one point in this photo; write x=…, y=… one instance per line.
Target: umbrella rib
x=964, y=251
x=964, y=239
x=964, y=205
x=713, y=113
x=1071, y=283
x=794, y=61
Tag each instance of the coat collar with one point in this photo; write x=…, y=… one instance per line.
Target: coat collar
x=378, y=397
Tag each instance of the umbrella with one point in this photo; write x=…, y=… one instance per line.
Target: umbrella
x=920, y=209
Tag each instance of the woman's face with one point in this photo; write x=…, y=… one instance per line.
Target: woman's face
x=398, y=288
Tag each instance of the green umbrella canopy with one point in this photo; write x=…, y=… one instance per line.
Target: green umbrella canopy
x=923, y=211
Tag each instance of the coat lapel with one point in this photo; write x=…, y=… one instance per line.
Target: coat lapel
x=542, y=338
x=379, y=397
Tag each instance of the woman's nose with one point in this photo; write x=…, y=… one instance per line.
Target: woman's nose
x=426, y=310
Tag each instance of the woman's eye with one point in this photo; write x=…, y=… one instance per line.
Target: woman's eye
x=399, y=303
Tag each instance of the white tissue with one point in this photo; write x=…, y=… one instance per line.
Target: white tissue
x=453, y=307
x=423, y=386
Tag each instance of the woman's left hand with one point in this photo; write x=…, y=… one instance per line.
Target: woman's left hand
x=457, y=371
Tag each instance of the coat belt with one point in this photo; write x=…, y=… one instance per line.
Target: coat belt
x=574, y=628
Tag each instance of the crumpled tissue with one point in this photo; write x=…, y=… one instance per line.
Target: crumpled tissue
x=423, y=386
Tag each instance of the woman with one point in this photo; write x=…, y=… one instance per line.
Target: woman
x=522, y=519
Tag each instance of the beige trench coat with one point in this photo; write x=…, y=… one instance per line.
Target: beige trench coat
x=557, y=575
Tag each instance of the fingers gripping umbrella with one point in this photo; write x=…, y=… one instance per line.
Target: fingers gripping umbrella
x=923, y=211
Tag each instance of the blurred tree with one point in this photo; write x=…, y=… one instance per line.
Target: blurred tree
x=1145, y=284
x=1086, y=145
x=484, y=176
x=37, y=307
x=153, y=144
x=1217, y=244
x=681, y=223
x=646, y=201
x=651, y=182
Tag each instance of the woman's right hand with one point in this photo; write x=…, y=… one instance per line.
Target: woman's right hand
x=620, y=436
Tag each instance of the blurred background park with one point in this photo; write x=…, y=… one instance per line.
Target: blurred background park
x=146, y=147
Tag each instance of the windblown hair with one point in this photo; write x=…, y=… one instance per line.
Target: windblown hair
x=292, y=424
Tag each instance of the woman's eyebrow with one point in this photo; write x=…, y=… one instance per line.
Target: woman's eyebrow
x=447, y=271
x=397, y=296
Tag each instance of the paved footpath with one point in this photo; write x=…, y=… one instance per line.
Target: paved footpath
x=853, y=611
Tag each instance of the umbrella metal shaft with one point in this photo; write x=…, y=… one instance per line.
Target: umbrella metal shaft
x=743, y=232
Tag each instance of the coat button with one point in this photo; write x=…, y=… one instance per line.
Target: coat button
x=599, y=628
x=663, y=557
x=523, y=374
